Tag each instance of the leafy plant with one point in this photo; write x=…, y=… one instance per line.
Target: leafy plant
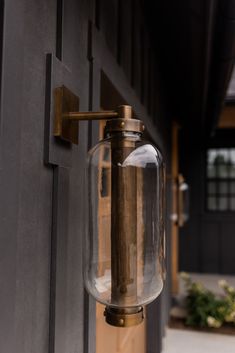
x=206, y=309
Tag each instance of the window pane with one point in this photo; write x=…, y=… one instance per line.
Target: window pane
x=223, y=187
x=221, y=179
x=222, y=156
x=211, y=155
x=232, y=187
x=232, y=155
x=222, y=203
x=105, y=177
x=232, y=203
x=232, y=171
x=211, y=203
x=211, y=171
x=222, y=170
x=211, y=187
x=106, y=156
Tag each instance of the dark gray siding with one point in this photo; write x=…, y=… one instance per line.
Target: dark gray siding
x=42, y=215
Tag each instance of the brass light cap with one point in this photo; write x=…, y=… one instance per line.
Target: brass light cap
x=119, y=124
x=124, y=317
x=125, y=111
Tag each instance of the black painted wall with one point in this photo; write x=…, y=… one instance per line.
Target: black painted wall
x=207, y=241
x=46, y=44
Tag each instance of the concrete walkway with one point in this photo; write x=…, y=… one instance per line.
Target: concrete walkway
x=180, y=341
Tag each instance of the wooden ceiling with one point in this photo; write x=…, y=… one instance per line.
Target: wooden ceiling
x=227, y=118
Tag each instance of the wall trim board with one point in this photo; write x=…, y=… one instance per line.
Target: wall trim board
x=104, y=61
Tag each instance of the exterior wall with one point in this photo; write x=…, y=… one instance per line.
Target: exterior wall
x=207, y=240
x=46, y=44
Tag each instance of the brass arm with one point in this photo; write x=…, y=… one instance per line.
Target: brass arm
x=102, y=115
x=67, y=116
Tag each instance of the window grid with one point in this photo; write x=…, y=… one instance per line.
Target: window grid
x=220, y=180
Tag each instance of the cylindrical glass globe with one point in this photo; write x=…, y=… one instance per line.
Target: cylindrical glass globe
x=124, y=250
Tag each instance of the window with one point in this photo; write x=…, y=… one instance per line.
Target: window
x=220, y=181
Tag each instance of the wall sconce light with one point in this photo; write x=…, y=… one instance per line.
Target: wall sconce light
x=123, y=266
x=183, y=201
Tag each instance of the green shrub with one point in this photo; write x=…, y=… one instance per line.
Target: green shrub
x=206, y=309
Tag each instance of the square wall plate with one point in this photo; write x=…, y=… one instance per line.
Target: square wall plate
x=65, y=102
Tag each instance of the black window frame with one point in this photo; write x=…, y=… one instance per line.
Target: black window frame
x=218, y=180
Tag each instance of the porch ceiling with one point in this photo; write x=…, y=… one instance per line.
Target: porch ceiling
x=195, y=47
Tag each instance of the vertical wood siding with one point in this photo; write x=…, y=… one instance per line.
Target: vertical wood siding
x=45, y=44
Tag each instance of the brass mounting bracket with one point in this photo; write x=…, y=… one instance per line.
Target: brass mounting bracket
x=65, y=101
x=67, y=116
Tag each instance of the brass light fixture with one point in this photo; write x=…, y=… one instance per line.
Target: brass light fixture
x=183, y=201
x=123, y=266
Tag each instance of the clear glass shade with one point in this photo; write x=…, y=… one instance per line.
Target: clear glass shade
x=124, y=250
